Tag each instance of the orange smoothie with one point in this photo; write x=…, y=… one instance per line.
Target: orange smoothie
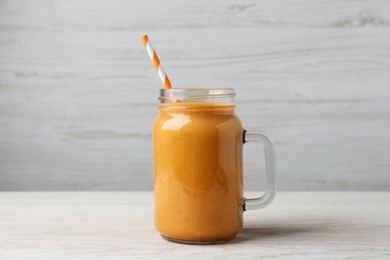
x=198, y=182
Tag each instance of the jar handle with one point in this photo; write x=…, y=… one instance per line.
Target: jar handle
x=270, y=165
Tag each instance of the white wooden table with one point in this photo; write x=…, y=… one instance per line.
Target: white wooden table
x=108, y=225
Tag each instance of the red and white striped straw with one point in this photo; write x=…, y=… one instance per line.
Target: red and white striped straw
x=156, y=61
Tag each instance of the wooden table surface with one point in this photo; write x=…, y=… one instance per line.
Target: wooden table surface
x=108, y=225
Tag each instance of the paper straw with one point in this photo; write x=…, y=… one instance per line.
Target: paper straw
x=156, y=62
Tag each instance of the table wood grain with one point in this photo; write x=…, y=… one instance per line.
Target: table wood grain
x=119, y=225
x=78, y=93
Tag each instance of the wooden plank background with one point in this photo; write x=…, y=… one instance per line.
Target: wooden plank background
x=78, y=92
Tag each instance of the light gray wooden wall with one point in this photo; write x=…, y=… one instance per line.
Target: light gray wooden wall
x=78, y=92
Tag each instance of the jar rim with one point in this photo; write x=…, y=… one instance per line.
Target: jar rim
x=195, y=93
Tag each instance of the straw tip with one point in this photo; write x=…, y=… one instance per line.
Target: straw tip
x=145, y=39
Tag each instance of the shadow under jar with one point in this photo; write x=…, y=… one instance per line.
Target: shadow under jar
x=198, y=179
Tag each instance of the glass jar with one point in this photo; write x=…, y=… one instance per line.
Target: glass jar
x=198, y=166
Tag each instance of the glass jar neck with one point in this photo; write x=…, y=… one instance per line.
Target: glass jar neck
x=197, y=96
x=197, y=107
